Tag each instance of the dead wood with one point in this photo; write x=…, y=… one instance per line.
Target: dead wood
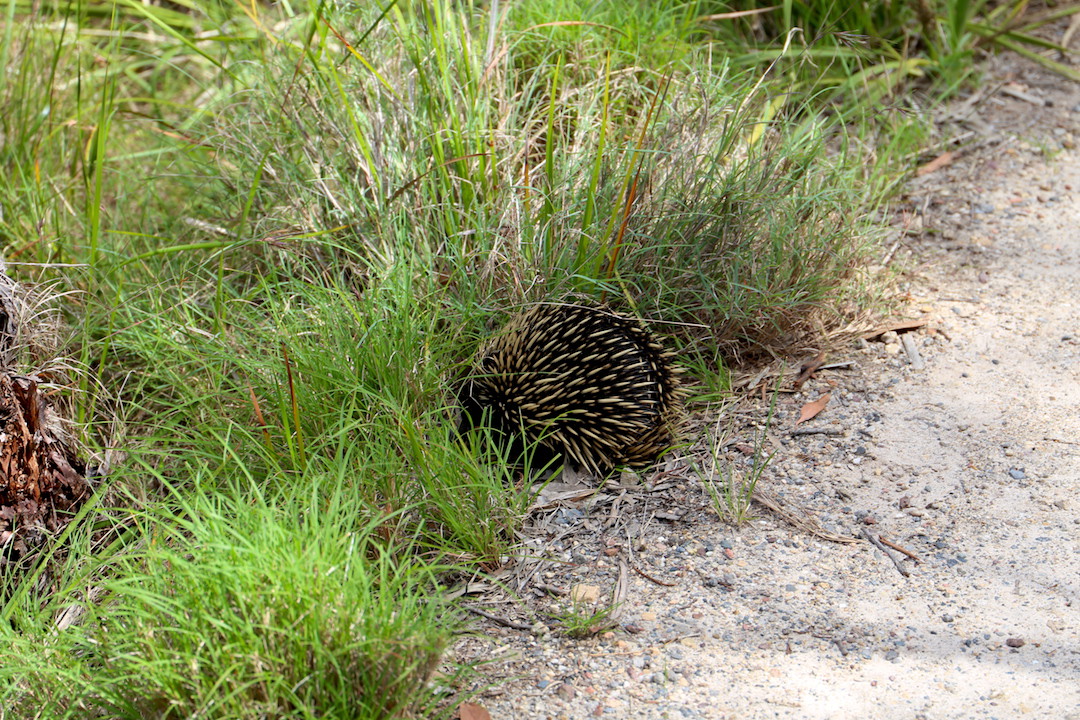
x=42, y=480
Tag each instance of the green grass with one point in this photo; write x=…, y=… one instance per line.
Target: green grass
x=278, y=234
x=241, y=602
x=730, y=479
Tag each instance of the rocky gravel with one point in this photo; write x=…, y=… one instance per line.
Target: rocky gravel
x=957, y=441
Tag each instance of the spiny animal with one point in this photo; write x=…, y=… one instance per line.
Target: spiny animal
x=585, y=383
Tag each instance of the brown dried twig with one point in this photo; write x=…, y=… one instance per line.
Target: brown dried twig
x=495, y=618
x=650, y=578
x=830, y=432
x=898, y=548
x=808, y=369
x=877, y=543
x=804, y=521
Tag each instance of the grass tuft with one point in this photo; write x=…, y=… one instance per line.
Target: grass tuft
x=243, y=603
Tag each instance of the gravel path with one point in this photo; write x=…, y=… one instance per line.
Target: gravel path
x=972, y=463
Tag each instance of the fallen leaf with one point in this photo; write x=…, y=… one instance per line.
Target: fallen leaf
x=811, y=409
x=472, y=711
x=937, y=163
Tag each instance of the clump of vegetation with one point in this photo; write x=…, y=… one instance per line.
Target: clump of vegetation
x=242, y=603
x=582, y=619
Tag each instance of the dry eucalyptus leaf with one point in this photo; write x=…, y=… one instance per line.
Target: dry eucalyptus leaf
x=811, y=409
x=472, y=711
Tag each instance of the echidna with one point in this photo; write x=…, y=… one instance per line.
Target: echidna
x=585, y=383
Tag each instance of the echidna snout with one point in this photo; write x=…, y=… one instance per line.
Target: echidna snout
x=584, y=383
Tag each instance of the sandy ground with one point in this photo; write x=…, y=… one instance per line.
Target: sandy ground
x=971, y=463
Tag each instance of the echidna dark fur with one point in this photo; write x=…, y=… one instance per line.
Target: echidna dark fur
x=584, y=383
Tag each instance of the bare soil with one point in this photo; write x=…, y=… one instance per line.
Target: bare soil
x=971, y=463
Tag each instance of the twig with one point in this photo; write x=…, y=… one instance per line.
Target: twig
x=1021, y=95
x=551, y=589
x=831, y=432
x=897, y=327
x=808, y=369
x=912, y=351
x=836, y=641
x=889, y=255
x=806, y=521
x=876, y=543
x=607, y=653
x=898, y=548
x=496, y=618
x=940, y=332
x=622, y=587
x=650, y=578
